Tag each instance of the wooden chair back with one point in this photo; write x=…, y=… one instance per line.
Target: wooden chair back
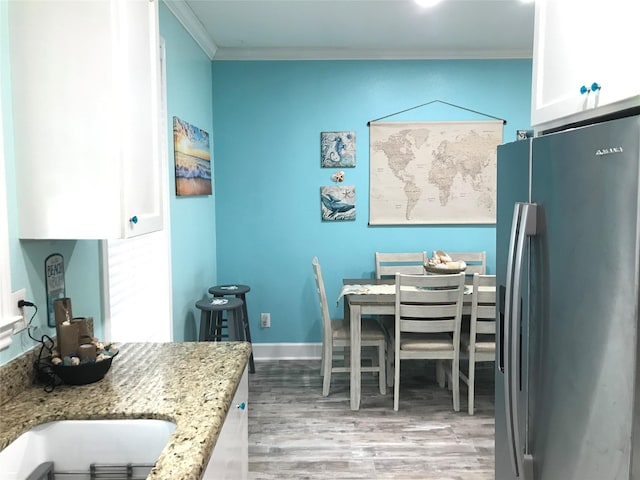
x=428, y=313
x=324, y=306
x=408, y=263
x=483, y=306
x=429, y=304
x=481, y=344
x=476, y=261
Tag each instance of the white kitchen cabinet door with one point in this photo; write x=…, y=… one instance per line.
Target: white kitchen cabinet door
x=230, y=457
x=85, y=91
x=578, y=43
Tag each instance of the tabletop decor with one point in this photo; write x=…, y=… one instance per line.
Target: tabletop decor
x=81, y=371
x=442, y=263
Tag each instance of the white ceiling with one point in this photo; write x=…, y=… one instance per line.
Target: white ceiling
x=361, y=29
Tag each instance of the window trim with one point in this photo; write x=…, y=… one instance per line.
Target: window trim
x=6, y=314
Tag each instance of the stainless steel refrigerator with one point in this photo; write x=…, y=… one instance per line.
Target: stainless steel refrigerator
x=568, y=272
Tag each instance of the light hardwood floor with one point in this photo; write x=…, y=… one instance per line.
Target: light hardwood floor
x=295, y=433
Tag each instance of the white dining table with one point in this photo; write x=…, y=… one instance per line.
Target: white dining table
x=370, y=296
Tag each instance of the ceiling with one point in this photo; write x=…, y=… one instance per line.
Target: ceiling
x=362, y=29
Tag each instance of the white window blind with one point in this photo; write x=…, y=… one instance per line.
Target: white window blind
x=138, y=301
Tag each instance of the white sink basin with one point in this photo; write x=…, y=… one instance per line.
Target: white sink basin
x=73, y=445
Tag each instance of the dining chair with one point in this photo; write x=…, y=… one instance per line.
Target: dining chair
x=479, y=345
x=409, y=263
x=476, y=263
x=427, y=325
x=336, y=333
x=387, y=265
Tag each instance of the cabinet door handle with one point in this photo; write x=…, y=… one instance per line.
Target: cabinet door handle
x=134, y=219
x=595, y=86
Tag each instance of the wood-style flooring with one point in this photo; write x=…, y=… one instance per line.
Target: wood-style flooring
x=296, y=433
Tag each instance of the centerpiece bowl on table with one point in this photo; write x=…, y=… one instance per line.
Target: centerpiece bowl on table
x=442, y=264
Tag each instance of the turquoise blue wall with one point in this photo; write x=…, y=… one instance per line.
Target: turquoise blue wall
x=262, y=224
x=267, y=122
x=193, y=235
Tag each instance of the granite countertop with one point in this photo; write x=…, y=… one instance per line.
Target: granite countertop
x=191, y=384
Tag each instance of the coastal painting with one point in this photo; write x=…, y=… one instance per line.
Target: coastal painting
x=192, y=159
x=338, y=149
x=338, y=202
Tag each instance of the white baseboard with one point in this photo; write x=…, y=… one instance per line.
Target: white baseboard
x=287, y=351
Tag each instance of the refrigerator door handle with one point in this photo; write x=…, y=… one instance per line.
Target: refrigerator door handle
x=523, y=226
x=506, y=337
x=527, y=229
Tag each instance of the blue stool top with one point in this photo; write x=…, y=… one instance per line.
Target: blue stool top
x=232, y=289
x=219, y=304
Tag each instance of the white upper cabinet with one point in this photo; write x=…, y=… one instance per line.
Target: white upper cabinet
x=585, y=60
x=85, y=90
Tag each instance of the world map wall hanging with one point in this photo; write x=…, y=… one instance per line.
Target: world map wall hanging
x=433, y=172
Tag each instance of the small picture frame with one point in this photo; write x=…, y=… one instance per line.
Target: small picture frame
x=338, y=149
x=54, y=283
x=524, y=134
x=192, y=157
x=338, y=202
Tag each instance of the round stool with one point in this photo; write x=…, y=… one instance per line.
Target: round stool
x=211, y=318
x=239, y=292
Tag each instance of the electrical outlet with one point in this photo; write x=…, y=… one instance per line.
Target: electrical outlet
x=20, y=323
x=265, y=320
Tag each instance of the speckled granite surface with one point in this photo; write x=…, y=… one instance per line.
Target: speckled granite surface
x=191, y=384
x=17, y=375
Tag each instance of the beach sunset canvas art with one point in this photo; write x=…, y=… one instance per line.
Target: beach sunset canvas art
x=192, y=159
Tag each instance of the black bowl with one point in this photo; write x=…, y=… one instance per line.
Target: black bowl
x=84, y=373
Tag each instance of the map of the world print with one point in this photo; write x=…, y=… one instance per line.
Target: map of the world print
x=433, y=172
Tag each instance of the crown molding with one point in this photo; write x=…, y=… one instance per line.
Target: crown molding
x=359, y=54
x=194, y=27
